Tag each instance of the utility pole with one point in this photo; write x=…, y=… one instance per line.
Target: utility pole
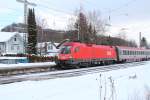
x=26, y=3
x=140, y=39
x=79, y=28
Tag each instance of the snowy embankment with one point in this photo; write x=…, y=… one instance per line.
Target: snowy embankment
x=21, y=65
x=124, y=84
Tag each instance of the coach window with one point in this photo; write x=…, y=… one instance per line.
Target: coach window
x=135, y=52
x=127, y=52
x=146, y=53
x=120, y=52
x=123, y=52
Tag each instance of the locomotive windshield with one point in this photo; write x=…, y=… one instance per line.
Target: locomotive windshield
x=65, y=50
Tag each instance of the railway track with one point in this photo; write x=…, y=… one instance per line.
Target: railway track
x=8, y=71
x=65, y=73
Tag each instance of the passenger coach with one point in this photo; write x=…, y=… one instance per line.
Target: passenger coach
x=130, y=54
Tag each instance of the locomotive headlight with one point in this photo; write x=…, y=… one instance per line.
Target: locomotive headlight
x=70, y=57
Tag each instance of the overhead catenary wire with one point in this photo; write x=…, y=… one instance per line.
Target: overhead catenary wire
x=60, y=18
x=54, y=9
x=120, y=7
x=87, y=2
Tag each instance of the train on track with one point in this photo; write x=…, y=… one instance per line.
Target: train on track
x=76, y=54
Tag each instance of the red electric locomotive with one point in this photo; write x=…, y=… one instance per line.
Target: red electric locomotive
x=81, y=54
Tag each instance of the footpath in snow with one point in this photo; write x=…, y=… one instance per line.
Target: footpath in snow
x=124, y=84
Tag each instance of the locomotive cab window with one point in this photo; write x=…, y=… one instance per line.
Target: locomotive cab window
x=65, y=50
x=76, y=49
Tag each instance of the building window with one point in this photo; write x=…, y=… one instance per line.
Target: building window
x=50, y=47
x=15, y=39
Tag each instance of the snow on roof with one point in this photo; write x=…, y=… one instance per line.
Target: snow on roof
x=43, y=44
x=5, y=36
x=23, y=34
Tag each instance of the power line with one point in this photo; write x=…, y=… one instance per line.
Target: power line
x=52, y=13
x=124, y=5
x=12, y=9
x=88, y=3
x=26, y=3
x=56, y=10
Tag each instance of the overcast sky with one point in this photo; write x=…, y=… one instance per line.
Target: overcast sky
x=131, y=15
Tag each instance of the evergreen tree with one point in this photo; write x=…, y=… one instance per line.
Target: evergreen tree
x=32, y=33
x=144, y=43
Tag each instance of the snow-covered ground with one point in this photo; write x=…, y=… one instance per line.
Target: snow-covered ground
x=124, y=84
